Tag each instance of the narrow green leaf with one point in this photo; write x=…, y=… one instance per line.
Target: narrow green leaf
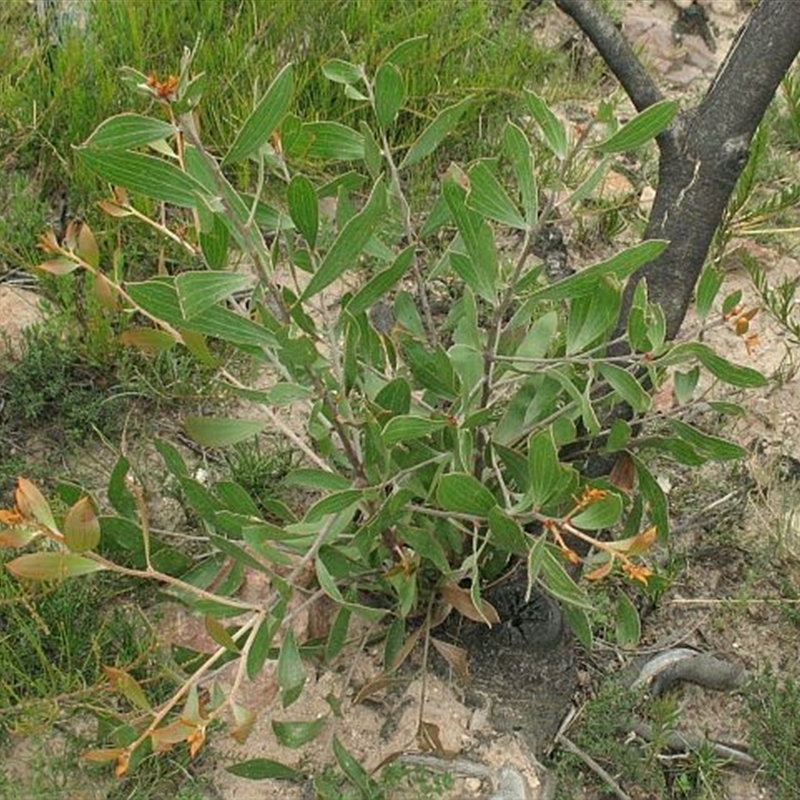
x=645, y=126
x=152, y=177
x=350, y=242
x=128, y=131
x=655, y=497
x=291, y=673
x=381, y=283
x=555, y=135
x=390, y=94
x=465, y=494
x=592, y=317
x=259, y=649
x=537, y=341
x=481, y=269
x=198, y=291
x=707, y=289
x=543, y=466
x=444, y=123
x=264, y=118
x=295, y=734
x=520, y=154
x=353, y=770
x=219, y=634
x=629, y=627
x=333, y=141
x=619, y=266
x=261, y=769
x=301, y=198
x=405, y=427
x=489, y=198
x=220, y=431
x=340, y=71
x=626, y=386
x=711, y=446
x=719, y=367
x=558, y=583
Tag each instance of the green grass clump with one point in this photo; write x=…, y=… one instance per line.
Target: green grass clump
x=54, y=642
x=774, y=722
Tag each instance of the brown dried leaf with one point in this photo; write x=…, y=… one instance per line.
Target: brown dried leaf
x=456, y=657
x=461, y=600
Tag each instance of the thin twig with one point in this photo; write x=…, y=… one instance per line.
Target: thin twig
x=569, y=745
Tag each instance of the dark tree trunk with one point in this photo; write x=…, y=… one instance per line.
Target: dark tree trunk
x=703, y=152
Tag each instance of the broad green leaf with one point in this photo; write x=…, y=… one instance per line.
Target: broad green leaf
x=340, y=71
x=128, y=131
x=619, y=436
x=645, y=126
x=537, y=341
x=81, y=527
x=51, y=566
x=290, y=672
x=264, y=118
x=444, y=123
x=295, y=734
x=489, y=198
x=507, y=533
x=480, y=271
x=553, y=130
x=406, y=51
x=731, y=301
x=619, y=266
x=543, y=466
x=317, y=479
x=390, y=94
x=373, y=155
x=601, y=514
x=198, y=291
x=685, y=384
x=465, y=494
x=711, y=446
x=349, y=244
x=431, y=369
x=301, y=198
x=579, y=623
x=629, y=627
x=520, y=154
x=594, y=316
x=626, y=386
x=152, y=177
x=260, y=769
x=558, y=583
x=381, y=283
x=719, y=367
x=334, y=141
x=405, y=427
x=333, y=504
x=214, y=243
x=707, y=289
x=159, y=298
x=220, y=431
x=395, y=396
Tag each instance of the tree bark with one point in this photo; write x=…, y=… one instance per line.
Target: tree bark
x=704, y=151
